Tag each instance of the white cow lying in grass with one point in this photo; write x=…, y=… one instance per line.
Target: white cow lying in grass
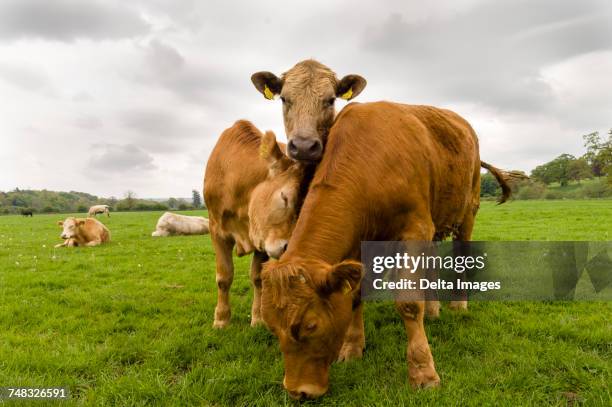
x=174, y=224
x=83, y=232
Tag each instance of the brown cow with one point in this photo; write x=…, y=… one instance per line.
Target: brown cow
x=237, y=172
x=308, y=92
x=83, y=232
x=390, y=172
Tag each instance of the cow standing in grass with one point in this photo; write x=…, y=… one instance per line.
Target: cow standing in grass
x=27, y=212
x=83, y=232
x=170, y=224
x=96, y=209
x=390, y=172
x=239, y=172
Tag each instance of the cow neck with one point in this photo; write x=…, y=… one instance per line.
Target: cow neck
x=328, y=227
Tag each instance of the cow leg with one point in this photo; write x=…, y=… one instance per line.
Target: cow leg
x=93, y=243
x=464, y=234
x=225, y=276
x=62, y=244
x=421, y=369
x=256, y=262
x=354, y=339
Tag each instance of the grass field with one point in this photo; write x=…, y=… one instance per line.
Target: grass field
x=130, y=323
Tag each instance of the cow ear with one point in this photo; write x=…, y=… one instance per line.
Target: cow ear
x=267, y=83
x=80, y=222
x=60, y=222
x=350, y=86
x=270, y=151
x=344, y=277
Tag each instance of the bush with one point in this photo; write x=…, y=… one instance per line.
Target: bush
x=534, y=190
x=82, y=208
x=553, y=195
x=50, y=209
x=597, y=190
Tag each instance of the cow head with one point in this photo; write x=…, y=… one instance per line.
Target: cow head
x=308, y=306
x=274, y=202
x=308, y=92
x=70, y=226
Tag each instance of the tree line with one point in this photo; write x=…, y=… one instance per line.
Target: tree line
x=551, y=180
x=43, y=201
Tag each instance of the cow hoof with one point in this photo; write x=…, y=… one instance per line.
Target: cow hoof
x=458, y=305
x=349, y=352
x=424, y=378
x=256, y=321
x=220, y=324
x=432, y=310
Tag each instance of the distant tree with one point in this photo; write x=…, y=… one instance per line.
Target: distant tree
x=172, y=203
x=556, y=170
x=130, y=199
x=488, y=185
x=579, y=169
x=196, y=199
x=599, y=153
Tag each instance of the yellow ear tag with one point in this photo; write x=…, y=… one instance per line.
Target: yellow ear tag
x=346, y=288
x=264, y=150
x=347, y=95
x=268, y=93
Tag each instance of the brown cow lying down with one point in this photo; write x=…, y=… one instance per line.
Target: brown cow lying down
x=390, y=172
x=83, y=232
x=237, y=174
x=175, y=224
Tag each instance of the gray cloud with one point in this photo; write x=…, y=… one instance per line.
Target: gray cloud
x=88, y=123
x=120, y=158
x=67, y=20
x=492, y=53
x=162, y=131
x=191, y=81
x=25, y=78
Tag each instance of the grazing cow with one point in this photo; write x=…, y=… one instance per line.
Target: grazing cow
x=83, y=232
x=96, y=209
x=237, y=172
x=390, y=172
x=308, y=92
x=27, y=212
x=174, y=224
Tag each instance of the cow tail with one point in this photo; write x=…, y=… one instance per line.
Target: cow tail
x=503, y=178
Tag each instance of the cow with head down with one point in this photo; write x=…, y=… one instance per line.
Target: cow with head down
x=248, y=208
x=390, y=172
x=308, y=92
x=83, y=232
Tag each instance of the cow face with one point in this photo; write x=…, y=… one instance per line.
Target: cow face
x=308, y=92
x=70, y=227
x=274, y=202
x=308, y=306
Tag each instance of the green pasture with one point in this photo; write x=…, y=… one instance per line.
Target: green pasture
x=130, y=323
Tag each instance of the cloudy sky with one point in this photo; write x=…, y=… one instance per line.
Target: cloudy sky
x=109, y=96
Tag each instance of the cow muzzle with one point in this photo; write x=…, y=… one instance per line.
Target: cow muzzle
x=305, y=149
x=306, y=391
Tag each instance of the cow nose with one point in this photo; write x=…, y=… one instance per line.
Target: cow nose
x=307, y=392
x=304, y=149
x=299, y=395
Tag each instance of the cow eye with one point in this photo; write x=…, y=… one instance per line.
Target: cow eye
x=285, y=101
x=311, y=326
x=330, y=102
